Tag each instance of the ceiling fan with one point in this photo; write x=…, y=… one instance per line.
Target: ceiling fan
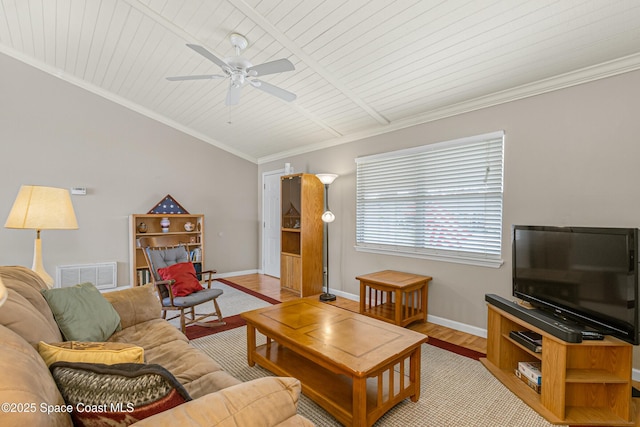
x=239, y=70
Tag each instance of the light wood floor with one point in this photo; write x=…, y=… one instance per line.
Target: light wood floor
x=270, y=286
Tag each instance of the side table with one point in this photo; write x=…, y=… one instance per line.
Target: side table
x=393, y=296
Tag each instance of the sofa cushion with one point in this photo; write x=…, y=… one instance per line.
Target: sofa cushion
x=135, y=305
x=26, y=307
x=164, y=344
x=82, y=313
x=263, y=402
x=26, y=380
x=185, y=278
x=108, y=353
x=116, y=395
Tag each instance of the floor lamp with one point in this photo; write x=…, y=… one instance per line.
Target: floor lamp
x=327, y=217
x=42, y=208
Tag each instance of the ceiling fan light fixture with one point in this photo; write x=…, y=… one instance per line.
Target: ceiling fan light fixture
x=237, y=79
x=240, y=69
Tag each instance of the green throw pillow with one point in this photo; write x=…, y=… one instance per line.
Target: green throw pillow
x=82, y=313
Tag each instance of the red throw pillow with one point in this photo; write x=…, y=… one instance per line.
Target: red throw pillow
x=185, y=276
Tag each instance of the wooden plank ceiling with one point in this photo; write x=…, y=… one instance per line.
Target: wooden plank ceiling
x=363, y=67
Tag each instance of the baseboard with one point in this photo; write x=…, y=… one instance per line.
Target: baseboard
x=346, y=295
x=236, y=273
x=458, y=326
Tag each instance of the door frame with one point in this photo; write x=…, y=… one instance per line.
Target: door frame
x=279, y=172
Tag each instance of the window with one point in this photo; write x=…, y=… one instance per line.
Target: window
x=440, y=201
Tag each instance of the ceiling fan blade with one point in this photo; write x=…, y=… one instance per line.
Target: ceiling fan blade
x=274, y=90
x=210, y=56
x=277, y=66
x=233, y=95
x=197, y=77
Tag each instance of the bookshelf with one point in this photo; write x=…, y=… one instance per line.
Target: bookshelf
x=586, y=383
x=301, y=252
x=194, y=240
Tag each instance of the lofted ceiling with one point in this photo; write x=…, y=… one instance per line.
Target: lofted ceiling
x=363, y=67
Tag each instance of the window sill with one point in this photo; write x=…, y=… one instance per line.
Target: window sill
x=458, y=259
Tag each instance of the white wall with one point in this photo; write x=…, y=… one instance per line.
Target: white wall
x=570, y=159
x=55, y=134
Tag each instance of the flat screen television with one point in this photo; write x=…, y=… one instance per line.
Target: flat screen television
x=585, y=276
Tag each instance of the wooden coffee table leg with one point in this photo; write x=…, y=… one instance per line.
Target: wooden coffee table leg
x=414, y=374
x=359, y=402
x=251, y=344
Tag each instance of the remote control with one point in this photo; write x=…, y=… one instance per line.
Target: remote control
x=591, y=335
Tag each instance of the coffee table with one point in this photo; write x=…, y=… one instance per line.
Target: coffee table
x=354, y=366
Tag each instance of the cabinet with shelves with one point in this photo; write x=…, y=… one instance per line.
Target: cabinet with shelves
x=301, y=233
x=192, y=238
x=586, y=383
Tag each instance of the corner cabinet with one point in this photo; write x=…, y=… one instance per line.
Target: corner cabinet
x=301, y=255
x=586, y=383
x=189, y=226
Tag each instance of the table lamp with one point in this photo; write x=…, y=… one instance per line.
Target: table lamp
x=327, y=217
x=42, y=208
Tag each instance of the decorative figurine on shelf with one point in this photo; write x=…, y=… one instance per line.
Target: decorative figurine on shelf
x=188, y=226
x=142, y=227
x=164, y=223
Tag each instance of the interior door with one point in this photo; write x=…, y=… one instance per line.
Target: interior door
x=271, y=223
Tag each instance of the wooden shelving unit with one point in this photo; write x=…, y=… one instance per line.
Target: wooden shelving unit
x=302, y=198
x=194, y=240
x=587, y=383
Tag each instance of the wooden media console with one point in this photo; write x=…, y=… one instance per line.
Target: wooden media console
x=586, y=383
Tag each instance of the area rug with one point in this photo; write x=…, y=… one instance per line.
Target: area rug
x=455, y=390
x=234, y=300
x=237, y=299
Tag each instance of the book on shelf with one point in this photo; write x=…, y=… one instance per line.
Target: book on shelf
x=528, y=339
x=532, y=370
x=144, y=276
x=527, y=381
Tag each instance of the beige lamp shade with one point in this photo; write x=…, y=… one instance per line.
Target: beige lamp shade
x=42, y=208
x=3, y=293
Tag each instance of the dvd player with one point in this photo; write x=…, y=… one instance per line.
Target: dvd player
x=537, y=318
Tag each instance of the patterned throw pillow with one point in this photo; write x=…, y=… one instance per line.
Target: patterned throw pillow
x=116, y=395
x=108, y=353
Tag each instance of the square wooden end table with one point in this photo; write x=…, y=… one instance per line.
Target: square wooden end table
x=393, y=296
x=355, y=367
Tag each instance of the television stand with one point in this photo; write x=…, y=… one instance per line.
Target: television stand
x=586, y=383
x=537, y=318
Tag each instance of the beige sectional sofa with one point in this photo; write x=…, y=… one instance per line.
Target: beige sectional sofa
x=218, y=398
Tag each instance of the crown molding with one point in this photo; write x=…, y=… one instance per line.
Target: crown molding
x=120, y=100
x=585, y=75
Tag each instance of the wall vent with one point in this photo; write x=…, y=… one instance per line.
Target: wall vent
x=103, y=275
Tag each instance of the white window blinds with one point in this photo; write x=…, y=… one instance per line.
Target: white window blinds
x=441, y=201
